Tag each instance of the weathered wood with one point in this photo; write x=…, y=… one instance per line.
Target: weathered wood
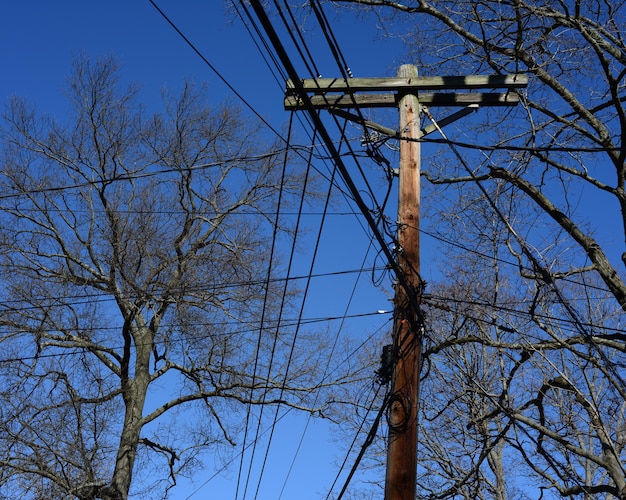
x=400, y=481
x=412, y=85
x=448, y=119
x=429, y=129
x=391, y=100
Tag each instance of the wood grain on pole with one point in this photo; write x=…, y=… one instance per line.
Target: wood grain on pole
x=401, y=473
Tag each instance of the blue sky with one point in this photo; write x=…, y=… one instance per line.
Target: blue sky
x=37, y=42
x=38, y=39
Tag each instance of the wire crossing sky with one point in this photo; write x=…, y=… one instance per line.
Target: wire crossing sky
x=341, y=255
x=159, y=44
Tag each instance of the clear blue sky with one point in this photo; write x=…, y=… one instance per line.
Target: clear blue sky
x=37, y=43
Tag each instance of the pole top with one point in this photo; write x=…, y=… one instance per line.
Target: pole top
x=407, y=71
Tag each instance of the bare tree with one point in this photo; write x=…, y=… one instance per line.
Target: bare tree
x=529, y=325
x=575, y=115
x=517, y=392
x=135, y=263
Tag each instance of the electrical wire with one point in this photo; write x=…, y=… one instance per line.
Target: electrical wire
x=522, y=149
x=301, y=319
x=342, y=491
x=262, y=321
x=434, y=300
x=289, y=410
x=311, y=67
x=287, y=279
x=268, y=448
x=218, y=74
x=371, y=435
x=138, y=174
x=300, y=43
x=285, y=60
x=332, y=182
x=213, y=68
x=262, y=46
x=91, y=298
x=537, y=265
x=297, y=329
x=304, y=53
x=229, y=462
x=253, y=328
x=281, y=308
x=335, y=156
x=306, y=50
x=326, y=372
x=342, y=64
x=372, y=150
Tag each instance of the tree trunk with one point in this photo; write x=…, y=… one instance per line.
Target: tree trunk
x=134, y=393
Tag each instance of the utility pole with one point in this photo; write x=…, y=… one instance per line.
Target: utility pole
x=400, y=480
x=407, y=92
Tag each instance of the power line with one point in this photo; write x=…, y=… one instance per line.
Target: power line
x=301, y=319
x=225, y=466
x=544, y=273
x=259, y=41
x=266, y=430
x=294, y=32
x=327, y=373
x=295, y=336
x=219, y=75
x=438, y=302
x=527, y=149
x=284, y=57
x=90, y=298
x=342, y=64
x=213, y=68
x=263, y=311
x=139, y=174
x=286, y=323
x=369, y=439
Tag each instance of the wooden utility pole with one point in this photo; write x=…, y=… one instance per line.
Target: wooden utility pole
x=402, y=446
x=408, y=92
